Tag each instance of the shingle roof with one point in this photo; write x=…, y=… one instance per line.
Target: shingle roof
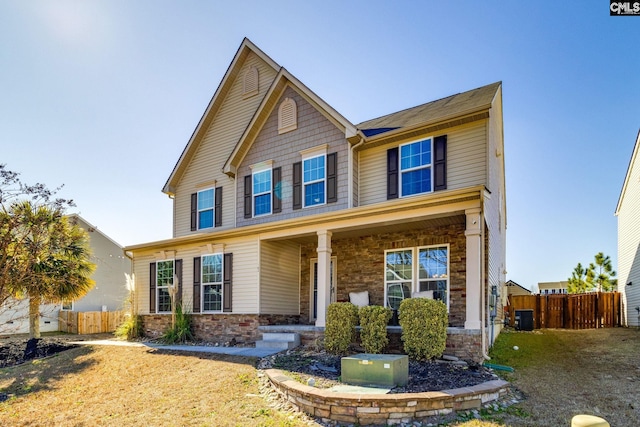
x=432, y=111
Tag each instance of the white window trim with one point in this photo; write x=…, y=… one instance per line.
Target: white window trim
x=401, y=171
x=415, y=269
x=323, y=180
x=62, y=308
x=173, y=261
x=334, y=285
x=203, y=284
x=212, y=208
x=256, y=169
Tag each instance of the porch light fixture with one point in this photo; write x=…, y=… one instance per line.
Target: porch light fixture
x=630, y=283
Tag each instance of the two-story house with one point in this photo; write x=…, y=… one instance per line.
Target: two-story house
x=628, y=213
x=282, y=205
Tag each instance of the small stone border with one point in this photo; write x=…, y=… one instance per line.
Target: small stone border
x=371, y=409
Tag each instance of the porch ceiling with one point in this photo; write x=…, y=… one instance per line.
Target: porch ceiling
x=456, y=218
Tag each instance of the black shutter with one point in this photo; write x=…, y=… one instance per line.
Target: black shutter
x=392, y=173
x=217, y=207
x=332, y=178
x=196, y=284
x=227, y=273
x=440, y=163
x=248, y=194
x=276, y=190
x=178, y=273
x=194, y=211
x=152, y=287
x=297, y=185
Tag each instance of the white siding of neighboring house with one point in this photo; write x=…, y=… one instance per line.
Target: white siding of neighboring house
x=466, y=163
x=14, y=317
x=629, y=242
x=279, y=278
x=216, y=146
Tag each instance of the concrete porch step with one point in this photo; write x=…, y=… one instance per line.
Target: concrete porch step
x=279, y=340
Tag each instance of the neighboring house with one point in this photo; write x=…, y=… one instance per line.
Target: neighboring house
x=109, y=294
x=551, y=288
x=514, y=288
x=282, y=205
x=628, y=213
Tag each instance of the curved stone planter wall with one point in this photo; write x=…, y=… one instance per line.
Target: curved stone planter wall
x=367, y=409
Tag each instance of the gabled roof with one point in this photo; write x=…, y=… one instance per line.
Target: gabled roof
x=632, y=161
x=454, y=106
x=283, y=80
x=214, y=105
x=514, y=284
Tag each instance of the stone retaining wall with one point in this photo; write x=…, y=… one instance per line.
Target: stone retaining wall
x=368, y=409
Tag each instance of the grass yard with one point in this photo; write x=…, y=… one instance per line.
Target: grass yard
x=561, y=372
x=132, y=386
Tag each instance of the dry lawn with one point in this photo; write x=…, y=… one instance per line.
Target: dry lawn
x=568, y=372
x=134, y=386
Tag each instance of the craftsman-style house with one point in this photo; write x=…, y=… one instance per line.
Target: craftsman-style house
x=282, y=206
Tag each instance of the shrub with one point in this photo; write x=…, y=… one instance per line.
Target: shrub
x=181, y=330
x=424, y=327
x=373, y=327
x=339, y=333
x=131, y=328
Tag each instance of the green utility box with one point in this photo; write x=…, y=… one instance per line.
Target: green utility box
x=388, y=370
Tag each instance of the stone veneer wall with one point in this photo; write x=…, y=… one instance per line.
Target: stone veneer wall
x=220, y=328
x=360, y=265
x=377, y=409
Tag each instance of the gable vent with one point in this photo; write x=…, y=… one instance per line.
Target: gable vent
x=287, y=116
x=250, y=82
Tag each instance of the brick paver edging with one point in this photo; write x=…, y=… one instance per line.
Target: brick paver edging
x=368, y=409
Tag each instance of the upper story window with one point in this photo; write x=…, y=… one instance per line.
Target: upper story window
x=287, y=116
x=415, y=167
x=205, y=208
x=314, y=182
x=164, y=280
x=262, y=196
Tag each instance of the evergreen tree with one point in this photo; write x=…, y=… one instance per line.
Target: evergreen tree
x=578, y=281
x=602, y=274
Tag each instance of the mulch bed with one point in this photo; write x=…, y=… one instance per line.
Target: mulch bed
x=423, y=376
x=16, y=352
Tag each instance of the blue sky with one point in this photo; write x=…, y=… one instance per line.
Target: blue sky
x=102, y=96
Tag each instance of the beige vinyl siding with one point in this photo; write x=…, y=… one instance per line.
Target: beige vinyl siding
x=216, y=146
x=494, y=207
x=466, y=163
x=629, y=245
x=279, y=278
x=244, y=279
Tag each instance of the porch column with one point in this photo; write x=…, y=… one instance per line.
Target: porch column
x=474, y=269
x=324, y=276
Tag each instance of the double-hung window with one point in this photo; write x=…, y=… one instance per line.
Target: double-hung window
x=212, y=282
x=314, y=180
x=410, y=270
x=205, y=208
x=415, y=167
x=262, y=192
x=164, y=281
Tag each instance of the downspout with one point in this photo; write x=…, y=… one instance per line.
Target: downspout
x=350, y=170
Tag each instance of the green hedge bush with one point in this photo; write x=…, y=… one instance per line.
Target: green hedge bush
x=373, y=327
x=424, y=327
x=340, y=329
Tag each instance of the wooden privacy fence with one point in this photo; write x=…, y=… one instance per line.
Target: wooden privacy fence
x=89, y=322
x=581, y=311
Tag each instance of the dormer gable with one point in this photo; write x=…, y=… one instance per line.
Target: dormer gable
x=287, y=110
